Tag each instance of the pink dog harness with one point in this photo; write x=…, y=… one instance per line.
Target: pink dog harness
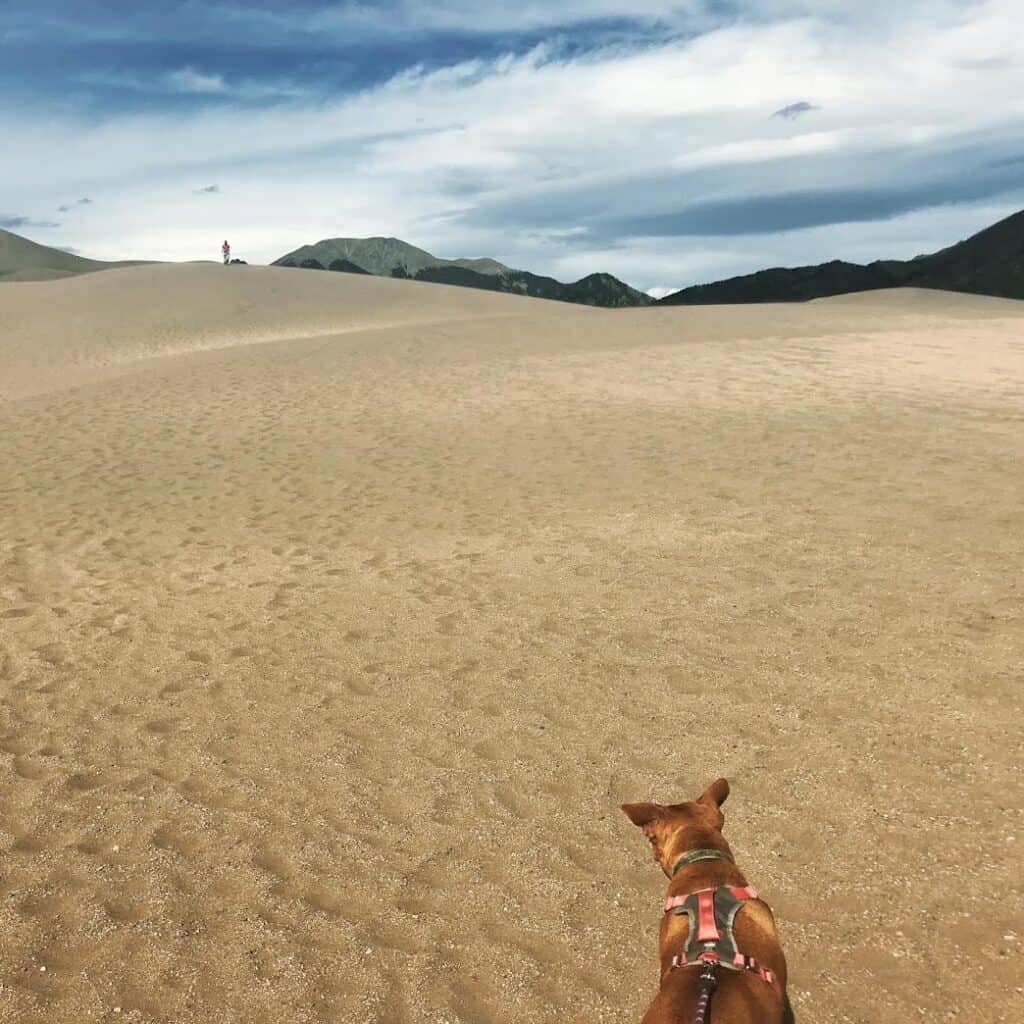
x=711, y=939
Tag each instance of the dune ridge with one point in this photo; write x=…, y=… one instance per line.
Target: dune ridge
x=139, y=313
x=338, y=615
x=21, y=259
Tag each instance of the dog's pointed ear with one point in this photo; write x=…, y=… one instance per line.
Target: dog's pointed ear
x=715, y=794
x=642, y=814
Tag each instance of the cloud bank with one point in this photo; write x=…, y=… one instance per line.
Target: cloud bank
x=659, y=141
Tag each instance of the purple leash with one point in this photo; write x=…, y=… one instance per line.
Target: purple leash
x=708, y=984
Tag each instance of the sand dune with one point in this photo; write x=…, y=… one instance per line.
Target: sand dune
x=337, y=616
x=101, y=326
x=21, y=259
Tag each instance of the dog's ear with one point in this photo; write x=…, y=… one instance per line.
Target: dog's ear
x=651, y=818
x=642, y=814
x=715, y=794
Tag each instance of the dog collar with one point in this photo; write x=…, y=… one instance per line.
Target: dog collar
x=695, y=855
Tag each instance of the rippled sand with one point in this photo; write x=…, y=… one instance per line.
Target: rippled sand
x=338, y=615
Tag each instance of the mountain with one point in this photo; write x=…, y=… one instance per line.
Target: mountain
x=391, y=257
x=595, y=290
x=24, y=260
x=988, y=263
x=380, y=257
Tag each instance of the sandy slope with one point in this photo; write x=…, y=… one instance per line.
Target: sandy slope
x=337, y=615
x=21, y=259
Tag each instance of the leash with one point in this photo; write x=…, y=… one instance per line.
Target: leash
x=708, y=984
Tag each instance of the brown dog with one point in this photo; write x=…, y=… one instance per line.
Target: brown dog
x=732, y=929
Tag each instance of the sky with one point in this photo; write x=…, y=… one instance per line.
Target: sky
x=666, y=143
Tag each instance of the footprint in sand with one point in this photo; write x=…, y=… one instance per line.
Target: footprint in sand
x=275, y=863
x=30, y=770
x=85, y=782
x=54, y=654
x=44, y=907
x=162, y=726
x=30, y=843
x=126, y=911
x=169, y=838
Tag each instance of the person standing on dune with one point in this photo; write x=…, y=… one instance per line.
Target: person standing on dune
x=226, y=252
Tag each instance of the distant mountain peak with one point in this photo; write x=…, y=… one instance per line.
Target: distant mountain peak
x=392, y=257
x=381, y=256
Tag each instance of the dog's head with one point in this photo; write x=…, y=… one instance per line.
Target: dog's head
x=675, y=829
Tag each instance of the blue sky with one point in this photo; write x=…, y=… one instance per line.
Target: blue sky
x=668, y=143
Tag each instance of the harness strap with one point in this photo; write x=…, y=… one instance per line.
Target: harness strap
x=707, y=928
x=739, y=963
x=739, y=892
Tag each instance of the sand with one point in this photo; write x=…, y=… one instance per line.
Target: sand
x=338, y=615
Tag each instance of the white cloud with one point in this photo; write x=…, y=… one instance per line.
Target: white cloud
x=190, y=80
x=417, y=155
x=198, y=85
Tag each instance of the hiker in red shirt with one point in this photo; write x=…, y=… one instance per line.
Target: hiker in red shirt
x=226, y=250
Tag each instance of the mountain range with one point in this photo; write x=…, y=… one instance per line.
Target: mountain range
x=391, y=257
x=988, y=263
